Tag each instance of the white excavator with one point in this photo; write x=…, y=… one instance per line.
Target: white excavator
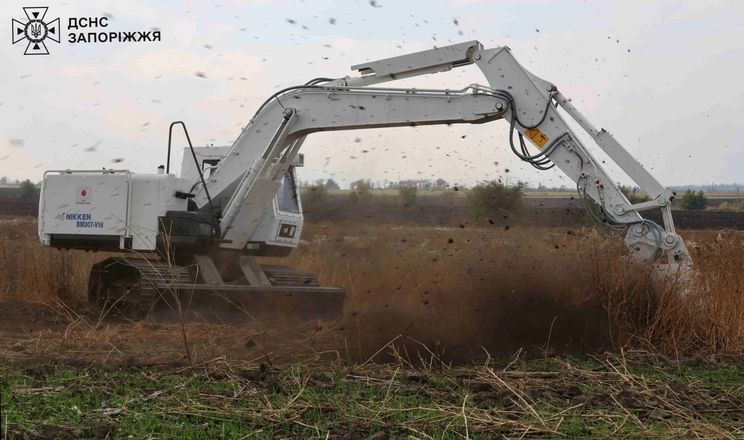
x=197, y=236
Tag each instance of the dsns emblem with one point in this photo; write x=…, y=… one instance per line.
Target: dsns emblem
x=35, y=30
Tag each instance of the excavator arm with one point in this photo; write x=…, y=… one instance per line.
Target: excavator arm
x=264, y=151
x=249, y=176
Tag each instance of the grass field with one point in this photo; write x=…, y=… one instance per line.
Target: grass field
x=457, y=332
x=637, y=395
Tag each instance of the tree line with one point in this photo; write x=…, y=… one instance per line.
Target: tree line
x=485, y=199
x=25, y=189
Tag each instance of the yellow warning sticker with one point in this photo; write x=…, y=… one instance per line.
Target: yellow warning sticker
x=537, y=136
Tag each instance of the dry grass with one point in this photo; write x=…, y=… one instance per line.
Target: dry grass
x=30, y=272
x=457, y=292
x=548, y=289
x=707, y=320
x=455, y=289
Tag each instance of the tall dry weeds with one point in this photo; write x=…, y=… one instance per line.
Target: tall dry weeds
x=31, y=272
x=709, y=317
x=553, y=288
x=694, y=314
x=457, y=291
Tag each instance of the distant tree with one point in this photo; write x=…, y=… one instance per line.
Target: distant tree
x=407, y=194
x=424, y=184
x=361, y=190
x=361, y=185
x=3, y=180
x=27, y=190
x=693, y=201
x=494, y=199
x=331, y=184
x=633, y=195
x=315, y=193
x=440, y=185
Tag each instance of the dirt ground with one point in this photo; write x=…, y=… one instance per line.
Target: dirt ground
x=38, y=333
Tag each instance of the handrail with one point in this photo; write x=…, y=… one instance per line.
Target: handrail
x=193, y=154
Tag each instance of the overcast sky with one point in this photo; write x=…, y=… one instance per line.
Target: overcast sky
x=665, y=77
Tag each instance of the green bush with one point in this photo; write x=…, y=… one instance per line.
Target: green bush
x=693, y=201
x=494, y=200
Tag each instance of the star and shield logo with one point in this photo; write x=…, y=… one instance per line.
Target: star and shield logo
x=36, y=30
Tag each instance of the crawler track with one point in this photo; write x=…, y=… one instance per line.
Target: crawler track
x=138, y=287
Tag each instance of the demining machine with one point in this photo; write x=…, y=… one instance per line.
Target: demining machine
x=197, y=236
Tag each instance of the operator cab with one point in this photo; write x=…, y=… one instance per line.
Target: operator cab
x=281, y=223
